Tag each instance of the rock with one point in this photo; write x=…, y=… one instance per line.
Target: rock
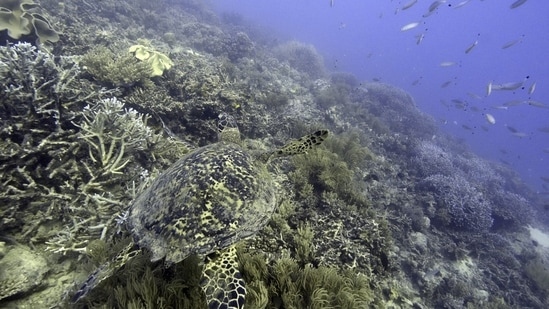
x=21, y=270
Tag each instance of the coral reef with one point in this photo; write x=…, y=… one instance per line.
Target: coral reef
x=383, y=215
x=302, y=57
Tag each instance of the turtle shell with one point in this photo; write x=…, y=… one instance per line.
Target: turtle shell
x=206, y=201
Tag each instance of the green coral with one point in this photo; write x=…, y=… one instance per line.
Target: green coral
x=292, y=286
x=332, y=169
x=116, y=70
x=156, y=60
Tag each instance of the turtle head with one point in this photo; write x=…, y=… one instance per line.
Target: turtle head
x=227, y=129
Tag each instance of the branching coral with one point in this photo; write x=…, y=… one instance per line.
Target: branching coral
x=467, y=207
x=62, y=164
x=114, y=133
x=116, y=70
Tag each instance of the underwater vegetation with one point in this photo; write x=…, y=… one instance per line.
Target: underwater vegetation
x=380, y=216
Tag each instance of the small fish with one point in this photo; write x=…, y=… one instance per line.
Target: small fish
x=546, y=150
x=474, y=95
x=409, y=5
x=470, y=48
x=447, y=63
x=500, y=107
x=546, y=179
x=409, y=26
x=419, y=38
x=415, y=82
x=485, y=128
x=514, y=103
x=475, y=109
x=331, y=3
x=435, y=5
x=520, y=134
x=466, y=127
x=488, y=88
x=537, y=104
x=544, y=129
x=510, y=43
x=510, y=128
x=532, y=88
x=510, y=86
x=462, y=3
x=517, y=3
x=446, y=84
x=490, y=118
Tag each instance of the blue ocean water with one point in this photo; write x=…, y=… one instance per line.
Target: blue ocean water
x=470, y=38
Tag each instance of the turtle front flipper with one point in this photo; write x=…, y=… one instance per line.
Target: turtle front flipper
x=302, y=145
x=222, y=282
x=105, y=271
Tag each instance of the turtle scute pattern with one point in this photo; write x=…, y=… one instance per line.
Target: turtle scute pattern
x=206, y=201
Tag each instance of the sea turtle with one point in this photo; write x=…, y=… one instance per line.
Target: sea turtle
x=204, y=203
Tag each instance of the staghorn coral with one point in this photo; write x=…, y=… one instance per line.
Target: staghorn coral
x=510, y=210
x=431, y=159
x=41, y=96
x=467, y=207
x=117, y=70
x=35, y=83
x=114, y=134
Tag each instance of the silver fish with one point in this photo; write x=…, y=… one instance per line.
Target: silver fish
x=447, y=63
x=419, y=38
x=462, y=3
x=409, y=5
x=532, y=88
x=409, y=26
x=537, y=104
x=490, y=118
x=470, y=48
x=517, y=3
x=435, y=5
x=510, y=43
x=489, y=88
x=508, y=86
x=446, y=84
